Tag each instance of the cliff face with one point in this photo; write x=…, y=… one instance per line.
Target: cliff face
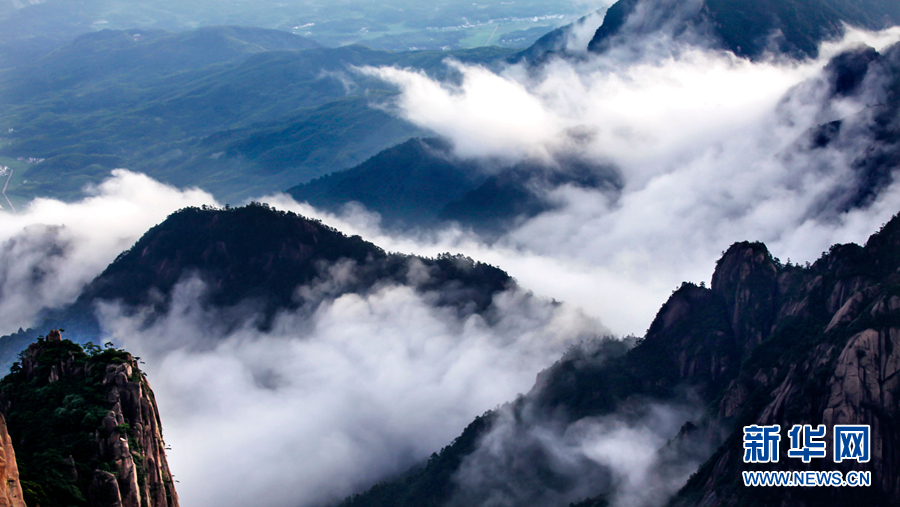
x=821, y=345
x=746, y=27
x=87, y=428
x=766, y=343
x=10, y=488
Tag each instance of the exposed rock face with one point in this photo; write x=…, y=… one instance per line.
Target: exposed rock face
x=749, y=28
x=746, y=277
x=767, y=343
x=133, y=404
x=10, y=488
x=116, y=454
x=821, y=346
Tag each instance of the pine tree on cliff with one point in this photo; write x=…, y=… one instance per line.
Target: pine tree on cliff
x=86, y=428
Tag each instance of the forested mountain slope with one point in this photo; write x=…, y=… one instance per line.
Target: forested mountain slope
x=767, y=343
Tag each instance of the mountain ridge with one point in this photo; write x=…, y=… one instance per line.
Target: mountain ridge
x=767, y=343
x=252, y=260
x=749, y=28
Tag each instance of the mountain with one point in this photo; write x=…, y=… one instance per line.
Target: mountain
x=767, y=343
x=748, y=28
x=239, y=111
x=552, y=42
x=255, y=261
x=871, y=135
x=86, y=427
x=407, y=184
x=11, y=494
x=422, y=183
x=259, y=252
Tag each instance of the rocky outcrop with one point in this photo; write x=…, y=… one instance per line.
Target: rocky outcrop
x=10, y=488
x=746, y=277
x=821, y=346
x=766, y=343
x=144, y=477
x=103, y=418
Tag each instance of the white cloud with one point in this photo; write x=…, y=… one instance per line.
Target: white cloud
x=707, y=145
x=328, y=403
x=528, y=459
x=51, y=249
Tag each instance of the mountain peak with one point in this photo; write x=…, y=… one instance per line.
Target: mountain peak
x=746, y=277
x=86, y=427
x=749, y=28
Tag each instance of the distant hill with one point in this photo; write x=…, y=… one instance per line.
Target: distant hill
x=421, y=182
x=203, y=107
x=142, y=54
x=747, y=27
x=407, y=184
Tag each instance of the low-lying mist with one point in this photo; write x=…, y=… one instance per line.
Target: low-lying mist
x=345, y=392
x=712, y=149
x=632, y=458
x=51, y=249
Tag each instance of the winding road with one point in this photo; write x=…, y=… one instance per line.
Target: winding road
x=4, y=190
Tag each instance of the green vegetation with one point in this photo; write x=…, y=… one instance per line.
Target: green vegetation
x=702, y=341
x=53, y=411
x=751, y=27
x=395, y=25
x=237, y=111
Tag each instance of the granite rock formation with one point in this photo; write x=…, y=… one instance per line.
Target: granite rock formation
x=10, y=488
x=87, y=426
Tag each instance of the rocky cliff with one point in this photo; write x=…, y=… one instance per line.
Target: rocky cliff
x=821, y=346
x=748, y=28
x=10, y=488
x=767, y=343
x=86, y=427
